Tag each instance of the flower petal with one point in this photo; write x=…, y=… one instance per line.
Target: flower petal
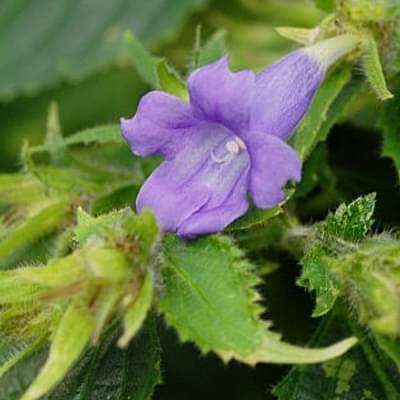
x=273, y=164
x=283, y=94
x=192, y=180
x=158, y=126
x=219, y=95
x=210, y=220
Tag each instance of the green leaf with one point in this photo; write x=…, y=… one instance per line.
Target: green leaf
x=119, y=225
x=257, y=216
x=98, y=135
x=109, y=372
x=145, y=63
x=136, y=312
x=316, y=276
x=309, y=132
x=326, y=5
x=361, y=374
x=170, y=81
x=351, y=222
x=335, y=236
x=213, y=49
x=390, y=346
x=17, y=379
x=20, y=189
x=210, y=299
x=45, y=42
x=54, y=139
x=44, y=222
x=11, y=354
x=373, y=68
x=390, y=125
x=342, y=104
x=155, y=71
x=70, y=338
x=303, y=36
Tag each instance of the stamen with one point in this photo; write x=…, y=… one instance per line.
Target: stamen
x=233, y=147
x=221, y=160
x=240, y=142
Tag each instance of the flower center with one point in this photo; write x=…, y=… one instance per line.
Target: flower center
x=233, y=147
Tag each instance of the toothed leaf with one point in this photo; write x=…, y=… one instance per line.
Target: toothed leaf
x=210, y=299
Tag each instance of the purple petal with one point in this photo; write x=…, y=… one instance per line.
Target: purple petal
x=210, y=220
x=193, y=180
x=283, y=94
x=159, y=125
x=273, y=164
x=219, y=95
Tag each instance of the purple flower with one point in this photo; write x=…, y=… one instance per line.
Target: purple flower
x=228, y=142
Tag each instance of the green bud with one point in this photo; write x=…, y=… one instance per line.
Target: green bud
x=370, y=277
x=370, y=10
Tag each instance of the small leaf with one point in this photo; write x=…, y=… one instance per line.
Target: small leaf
x=136, y=312
x=170, y=81
x=145, y=63
x=390, y=125
x=299, y=35
x=98, y=135
x=373, y=68
x=308, y=134
x=54, y=140
x=123, y=225
x=257, y=216
x=70, y=338
x=213, y=49
x=316, y=276
x=351, y=222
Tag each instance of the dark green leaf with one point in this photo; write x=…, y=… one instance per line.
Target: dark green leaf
x=390, y=125
x=17, y=379
x=361, y=374
x=108, y=372
x=45, y=41
x=312, y=130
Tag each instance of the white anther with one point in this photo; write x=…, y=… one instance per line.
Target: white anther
x=240, y=142
x=232, y=146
